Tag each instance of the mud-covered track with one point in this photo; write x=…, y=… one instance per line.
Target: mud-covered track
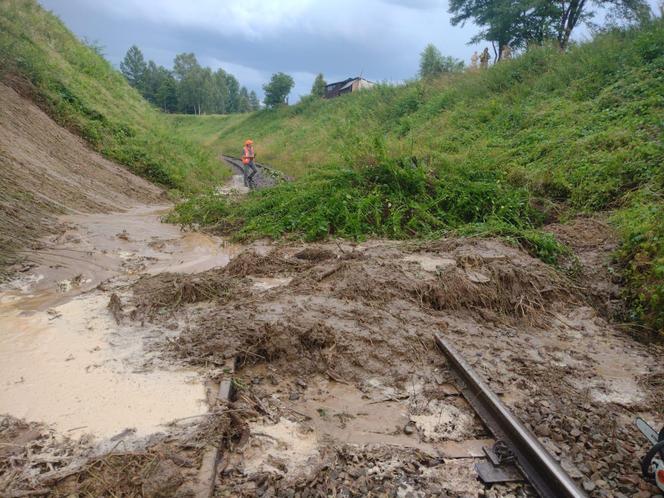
x=534, y=461
x=265, y=176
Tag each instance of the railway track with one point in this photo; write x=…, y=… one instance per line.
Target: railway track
x=265, y=177
x=516, y=447
x=516, y=456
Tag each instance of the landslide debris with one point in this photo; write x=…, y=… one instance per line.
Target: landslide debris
x=363, y=317
x=341, y=390
x=351, y=311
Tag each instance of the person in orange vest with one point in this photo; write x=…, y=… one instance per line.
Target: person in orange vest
x=248, y=155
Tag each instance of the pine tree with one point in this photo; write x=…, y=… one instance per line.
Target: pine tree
x=318, y=88
x=167, y=93
x=133, y=67
x=233, y=99
x=254, y=103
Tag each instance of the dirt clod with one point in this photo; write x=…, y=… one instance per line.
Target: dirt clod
x=315, y=254
x=115, y=307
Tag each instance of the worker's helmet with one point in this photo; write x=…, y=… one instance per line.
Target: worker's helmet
x=249, y=142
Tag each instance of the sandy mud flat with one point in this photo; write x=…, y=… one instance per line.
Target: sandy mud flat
x=88, y=381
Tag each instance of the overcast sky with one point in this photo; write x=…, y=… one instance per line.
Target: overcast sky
x=380, y=39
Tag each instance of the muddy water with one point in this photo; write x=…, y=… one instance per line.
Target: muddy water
x=267, y=283
x=72, y=369
x=65, y=362
x=332, y=413
x=430, y=263
x=234, y=186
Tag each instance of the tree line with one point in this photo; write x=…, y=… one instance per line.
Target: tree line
x=188, y=88
x=509, y=25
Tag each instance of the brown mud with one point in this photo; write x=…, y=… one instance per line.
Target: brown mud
x=339, y=387
x=87, y=382
x=593, y=243
x=342, y=391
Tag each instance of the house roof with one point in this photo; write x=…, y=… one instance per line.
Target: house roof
x=345, y=83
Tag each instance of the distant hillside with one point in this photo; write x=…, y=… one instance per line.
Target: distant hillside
x=501, y=151
x=44, y=61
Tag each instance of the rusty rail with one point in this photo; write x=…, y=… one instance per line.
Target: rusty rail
x=531, y=458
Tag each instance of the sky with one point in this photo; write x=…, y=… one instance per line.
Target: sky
x=252, y=39
x=378, y=39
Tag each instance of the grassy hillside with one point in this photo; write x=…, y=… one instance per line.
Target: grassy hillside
x=501, y=151
x=82, y=91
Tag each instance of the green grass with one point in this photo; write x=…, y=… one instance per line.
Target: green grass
x=496, y=152
x=84, y=93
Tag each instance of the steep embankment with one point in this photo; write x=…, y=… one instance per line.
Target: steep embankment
x=47, y=170
x=51, y=83
x=42, y=59
x=504, y=151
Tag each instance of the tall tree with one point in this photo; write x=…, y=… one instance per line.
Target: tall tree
x=189, y=87
x=219, y=92
x=243, y=101
x=277, y=90
x=133, y=66
x=192, y=87
x=318, y=88
x=233, y=97
x=166, y=97
x=151, y=81
x=433, y=63
x=254, y=103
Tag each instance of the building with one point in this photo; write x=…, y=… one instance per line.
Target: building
x=346, y=86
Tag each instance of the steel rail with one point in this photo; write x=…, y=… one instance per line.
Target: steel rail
x=533, y=460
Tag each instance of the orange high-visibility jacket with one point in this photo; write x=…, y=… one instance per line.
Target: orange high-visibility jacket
x=248, y=154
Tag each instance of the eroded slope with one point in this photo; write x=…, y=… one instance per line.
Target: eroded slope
x=46, y=170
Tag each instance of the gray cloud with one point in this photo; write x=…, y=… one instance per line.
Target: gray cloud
x=417, y=4
x=252, y=39
x=381, y=39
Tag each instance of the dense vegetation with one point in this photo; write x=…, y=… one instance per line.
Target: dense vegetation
x=499, y=151
x=189, y=88
x=83, y=92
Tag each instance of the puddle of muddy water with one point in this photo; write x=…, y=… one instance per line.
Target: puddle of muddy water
x=616, y=371
x=234, y=186
x=348, y=415
x=73, y=368
x=431, y=263
x=285, y=447
x=331, y=413
x=64, y=361
x=267, y=283
x=100, y=246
